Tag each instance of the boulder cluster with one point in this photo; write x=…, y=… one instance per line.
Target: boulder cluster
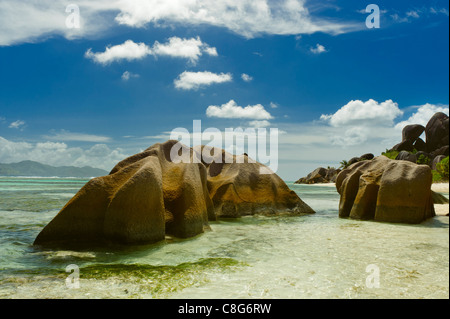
x=430, y=152
x=320, y=176
x=386, y=190
x=148, y=196
x=328, y=175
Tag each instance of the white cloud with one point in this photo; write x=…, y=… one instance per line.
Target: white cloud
x=60, y=154
x=359, y=121
x=190, y=49
x=249, y=18
x=33, y=20
x=127, y=75
x=127, y=51
x=259, y=124
x=273, y=105
x=423, y=115
x=196, y=80
x=246, y=77
x=66, y=136
x=413, y=14
x=444, y=11
x=352, y=136
x=17, y=124
x=318, y=49
x=231, y=110
x=370, y=113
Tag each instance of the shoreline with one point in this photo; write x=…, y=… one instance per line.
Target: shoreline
x=437, y=187
x=442, y=188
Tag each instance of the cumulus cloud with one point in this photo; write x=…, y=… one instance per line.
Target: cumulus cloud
x=358, y=121
x=318, y=49
x=369, y=113
x=127, y=75
x=32, y=20
x=249, y=18
x=129, y=51
x=190, y=49
x=423, y=114
x=60, y=154
x=196, y=80
x=231, y=110
x=17, y=124
x=246, y=77
x=352, y=136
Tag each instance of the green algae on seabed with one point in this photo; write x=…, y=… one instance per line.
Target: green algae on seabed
x=146, y=280
x=161, y=280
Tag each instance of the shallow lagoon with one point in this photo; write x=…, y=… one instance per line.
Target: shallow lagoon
x=318, y=256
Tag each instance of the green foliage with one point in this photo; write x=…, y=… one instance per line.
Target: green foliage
x=437, y=178
x=442, y=168
x=344, y=164
x=423, y=160
x=391, y=154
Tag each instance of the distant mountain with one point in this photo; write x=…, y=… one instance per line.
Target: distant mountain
x=34, y=169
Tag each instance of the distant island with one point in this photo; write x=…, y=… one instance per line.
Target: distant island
x=35, y=169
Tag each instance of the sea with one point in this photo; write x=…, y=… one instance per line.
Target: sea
x=307, y=257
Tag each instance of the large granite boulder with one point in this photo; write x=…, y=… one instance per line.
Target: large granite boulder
x=404, y=146
x=406, y=156
x=247, y=188
x=436, y=161
x=420, y=145
x=412, y=132
x=444, y=150
x=148, y=195
x=437, y=132
x=386, y=190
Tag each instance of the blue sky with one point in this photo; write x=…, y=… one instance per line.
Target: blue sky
x=334, y=88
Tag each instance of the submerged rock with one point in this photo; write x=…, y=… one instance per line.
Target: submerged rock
x=386, y=190
x=148, y=196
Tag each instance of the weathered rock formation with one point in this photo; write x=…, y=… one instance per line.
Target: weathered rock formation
x=328, y=175
x=437, y=132
x=386, y=190
x=437, y=141
x=147, y=196
x=320, y=176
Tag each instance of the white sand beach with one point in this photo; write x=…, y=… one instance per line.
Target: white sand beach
x=440, y=188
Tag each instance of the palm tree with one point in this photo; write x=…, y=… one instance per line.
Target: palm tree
x=344, y=164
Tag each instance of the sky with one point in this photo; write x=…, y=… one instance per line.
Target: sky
x=94, y=90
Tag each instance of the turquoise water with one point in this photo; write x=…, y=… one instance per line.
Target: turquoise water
x=318, y=256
